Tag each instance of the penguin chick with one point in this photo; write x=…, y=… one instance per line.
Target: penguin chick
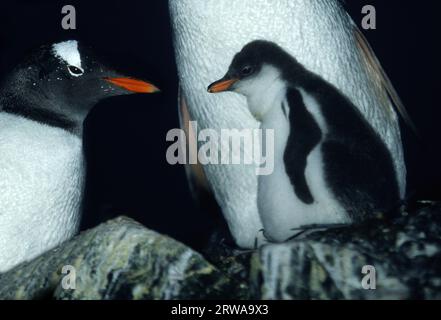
x=43, y=104
x=320, y=34
x=331, y=167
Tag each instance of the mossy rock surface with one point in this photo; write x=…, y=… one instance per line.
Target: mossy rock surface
x=119, y=259
x=406, y=255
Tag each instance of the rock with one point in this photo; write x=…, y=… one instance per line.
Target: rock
x=123, y=260
x=119, y=260
x=406, y=255
x=231, y=261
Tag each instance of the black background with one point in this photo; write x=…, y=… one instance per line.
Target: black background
x=125, y=136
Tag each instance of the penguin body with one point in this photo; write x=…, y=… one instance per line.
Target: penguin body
x=322, y=37
x=42, y=180
x=331, y=166
x=43, y=104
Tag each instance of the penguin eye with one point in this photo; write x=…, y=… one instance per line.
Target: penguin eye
x=246, y=71
x=75, y=71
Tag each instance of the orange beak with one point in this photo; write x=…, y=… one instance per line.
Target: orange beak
x=221, y=85
x=133, y=85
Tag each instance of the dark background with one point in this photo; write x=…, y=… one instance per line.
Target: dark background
x=125, y=136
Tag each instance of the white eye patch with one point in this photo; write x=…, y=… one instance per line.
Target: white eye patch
x=67, y=51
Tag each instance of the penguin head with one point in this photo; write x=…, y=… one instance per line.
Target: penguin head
x=64, y=80
x=255, y=72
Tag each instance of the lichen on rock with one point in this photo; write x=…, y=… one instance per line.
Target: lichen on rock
x=119, y=259
x=406, y=255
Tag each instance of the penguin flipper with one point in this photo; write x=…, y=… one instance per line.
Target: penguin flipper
x=197, y=180
x=384, y=86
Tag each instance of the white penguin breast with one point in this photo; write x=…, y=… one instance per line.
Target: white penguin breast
x=281, y=211
x=41, y=183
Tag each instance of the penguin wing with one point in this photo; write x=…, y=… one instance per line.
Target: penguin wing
x=198, y=183
x=384, y=86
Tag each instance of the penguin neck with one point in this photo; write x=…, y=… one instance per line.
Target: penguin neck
x=266, y=92
x=16, y=99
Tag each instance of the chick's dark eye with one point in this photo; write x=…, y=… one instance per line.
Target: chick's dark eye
x=75, y=71
x=246, y=71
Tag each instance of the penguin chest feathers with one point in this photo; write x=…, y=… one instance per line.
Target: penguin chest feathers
x=297, y=193
x=41, y=179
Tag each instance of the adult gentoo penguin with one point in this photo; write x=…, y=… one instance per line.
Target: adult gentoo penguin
x=331, y=167
x=322, y=37
x=43, y=104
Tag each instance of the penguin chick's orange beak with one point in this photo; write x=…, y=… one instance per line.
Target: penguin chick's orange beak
x=133, y=85
x=221, y=85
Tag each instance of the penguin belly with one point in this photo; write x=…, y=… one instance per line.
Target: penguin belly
x=282, y=210
x=41, y=183
x=346, y=176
